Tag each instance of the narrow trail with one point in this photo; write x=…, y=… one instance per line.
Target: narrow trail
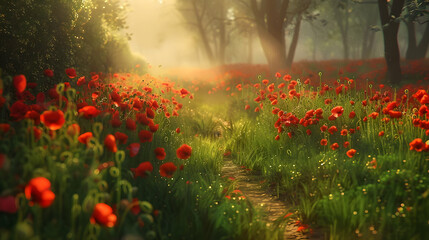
x=250, y=186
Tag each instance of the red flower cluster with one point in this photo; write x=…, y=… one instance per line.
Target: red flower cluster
x=38, y=191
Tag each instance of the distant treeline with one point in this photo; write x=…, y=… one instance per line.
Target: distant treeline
x=88, y=35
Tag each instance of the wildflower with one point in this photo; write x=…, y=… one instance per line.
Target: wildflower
x=143, y=170
x=38, y=191
x=184, y=152
x=160, y=153
x=103, y=215
x=346, y=144
x=334, y=146
x=121, y=137
x=167, y=169
x=48, y=73
x=350, y=153
x=134, y=149
x=53, y=120
x=418, y=145
x=324, y=142
x=110, y=143
x=85, y=137
x=18, y=110
x=71, y=72
x=89, y=112
x=145, y=136
x=20, y=83
x=332, y=129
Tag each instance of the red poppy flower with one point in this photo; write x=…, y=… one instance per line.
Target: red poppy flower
x=33, y=115
x=48, y=73
x=20, y=83
x=337, y=111
x=334, y=146
x=167, y=169
x=177, y=130
x=89, y=112
x=150, y=113
x=308, y=132
x=81, y=81
x=352, y=114
x=323, y=128
x=103, y=215
x=160, y=153
x=142, y=170
x=153, y=127
x=277, y=138
x=18, y=110
x=332, y=129
x=142, y=119
x=328, y=101
x=38, y=191
x=84, y=138
x=395, y=114
x=145, y=136
x=71, y=72
x=324, y=142
x=130, y=124
x=134, y=149
x=121, y=137
x=346, y=144
x=381, y=133
x=350, y=153
x=110, y=143
x=344, y=132
x=184, y=152
x=53, y=120
x=418, y=145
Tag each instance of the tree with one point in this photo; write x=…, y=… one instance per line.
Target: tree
x=413, y=11
x=271, y=19
x=390, y=24
x=209, y=19
x=59, y=34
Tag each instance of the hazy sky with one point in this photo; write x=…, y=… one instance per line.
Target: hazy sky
x=159, y=34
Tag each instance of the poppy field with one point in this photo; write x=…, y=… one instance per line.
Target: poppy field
x=129, y=156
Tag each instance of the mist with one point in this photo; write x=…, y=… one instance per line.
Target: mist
x=165, y=36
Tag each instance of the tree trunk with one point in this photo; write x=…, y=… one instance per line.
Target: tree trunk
x=250, y=48
x=412, y=42
x=203, y=34
x=270, y=17
x=274, y=50
x=422, y=48
x=294, y=43
x=368, y=37
x=222, y=35
x=417, y=51
x=390, y=35
x=343, y=19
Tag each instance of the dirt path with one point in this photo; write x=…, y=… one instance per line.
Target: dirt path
x=274, y=208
